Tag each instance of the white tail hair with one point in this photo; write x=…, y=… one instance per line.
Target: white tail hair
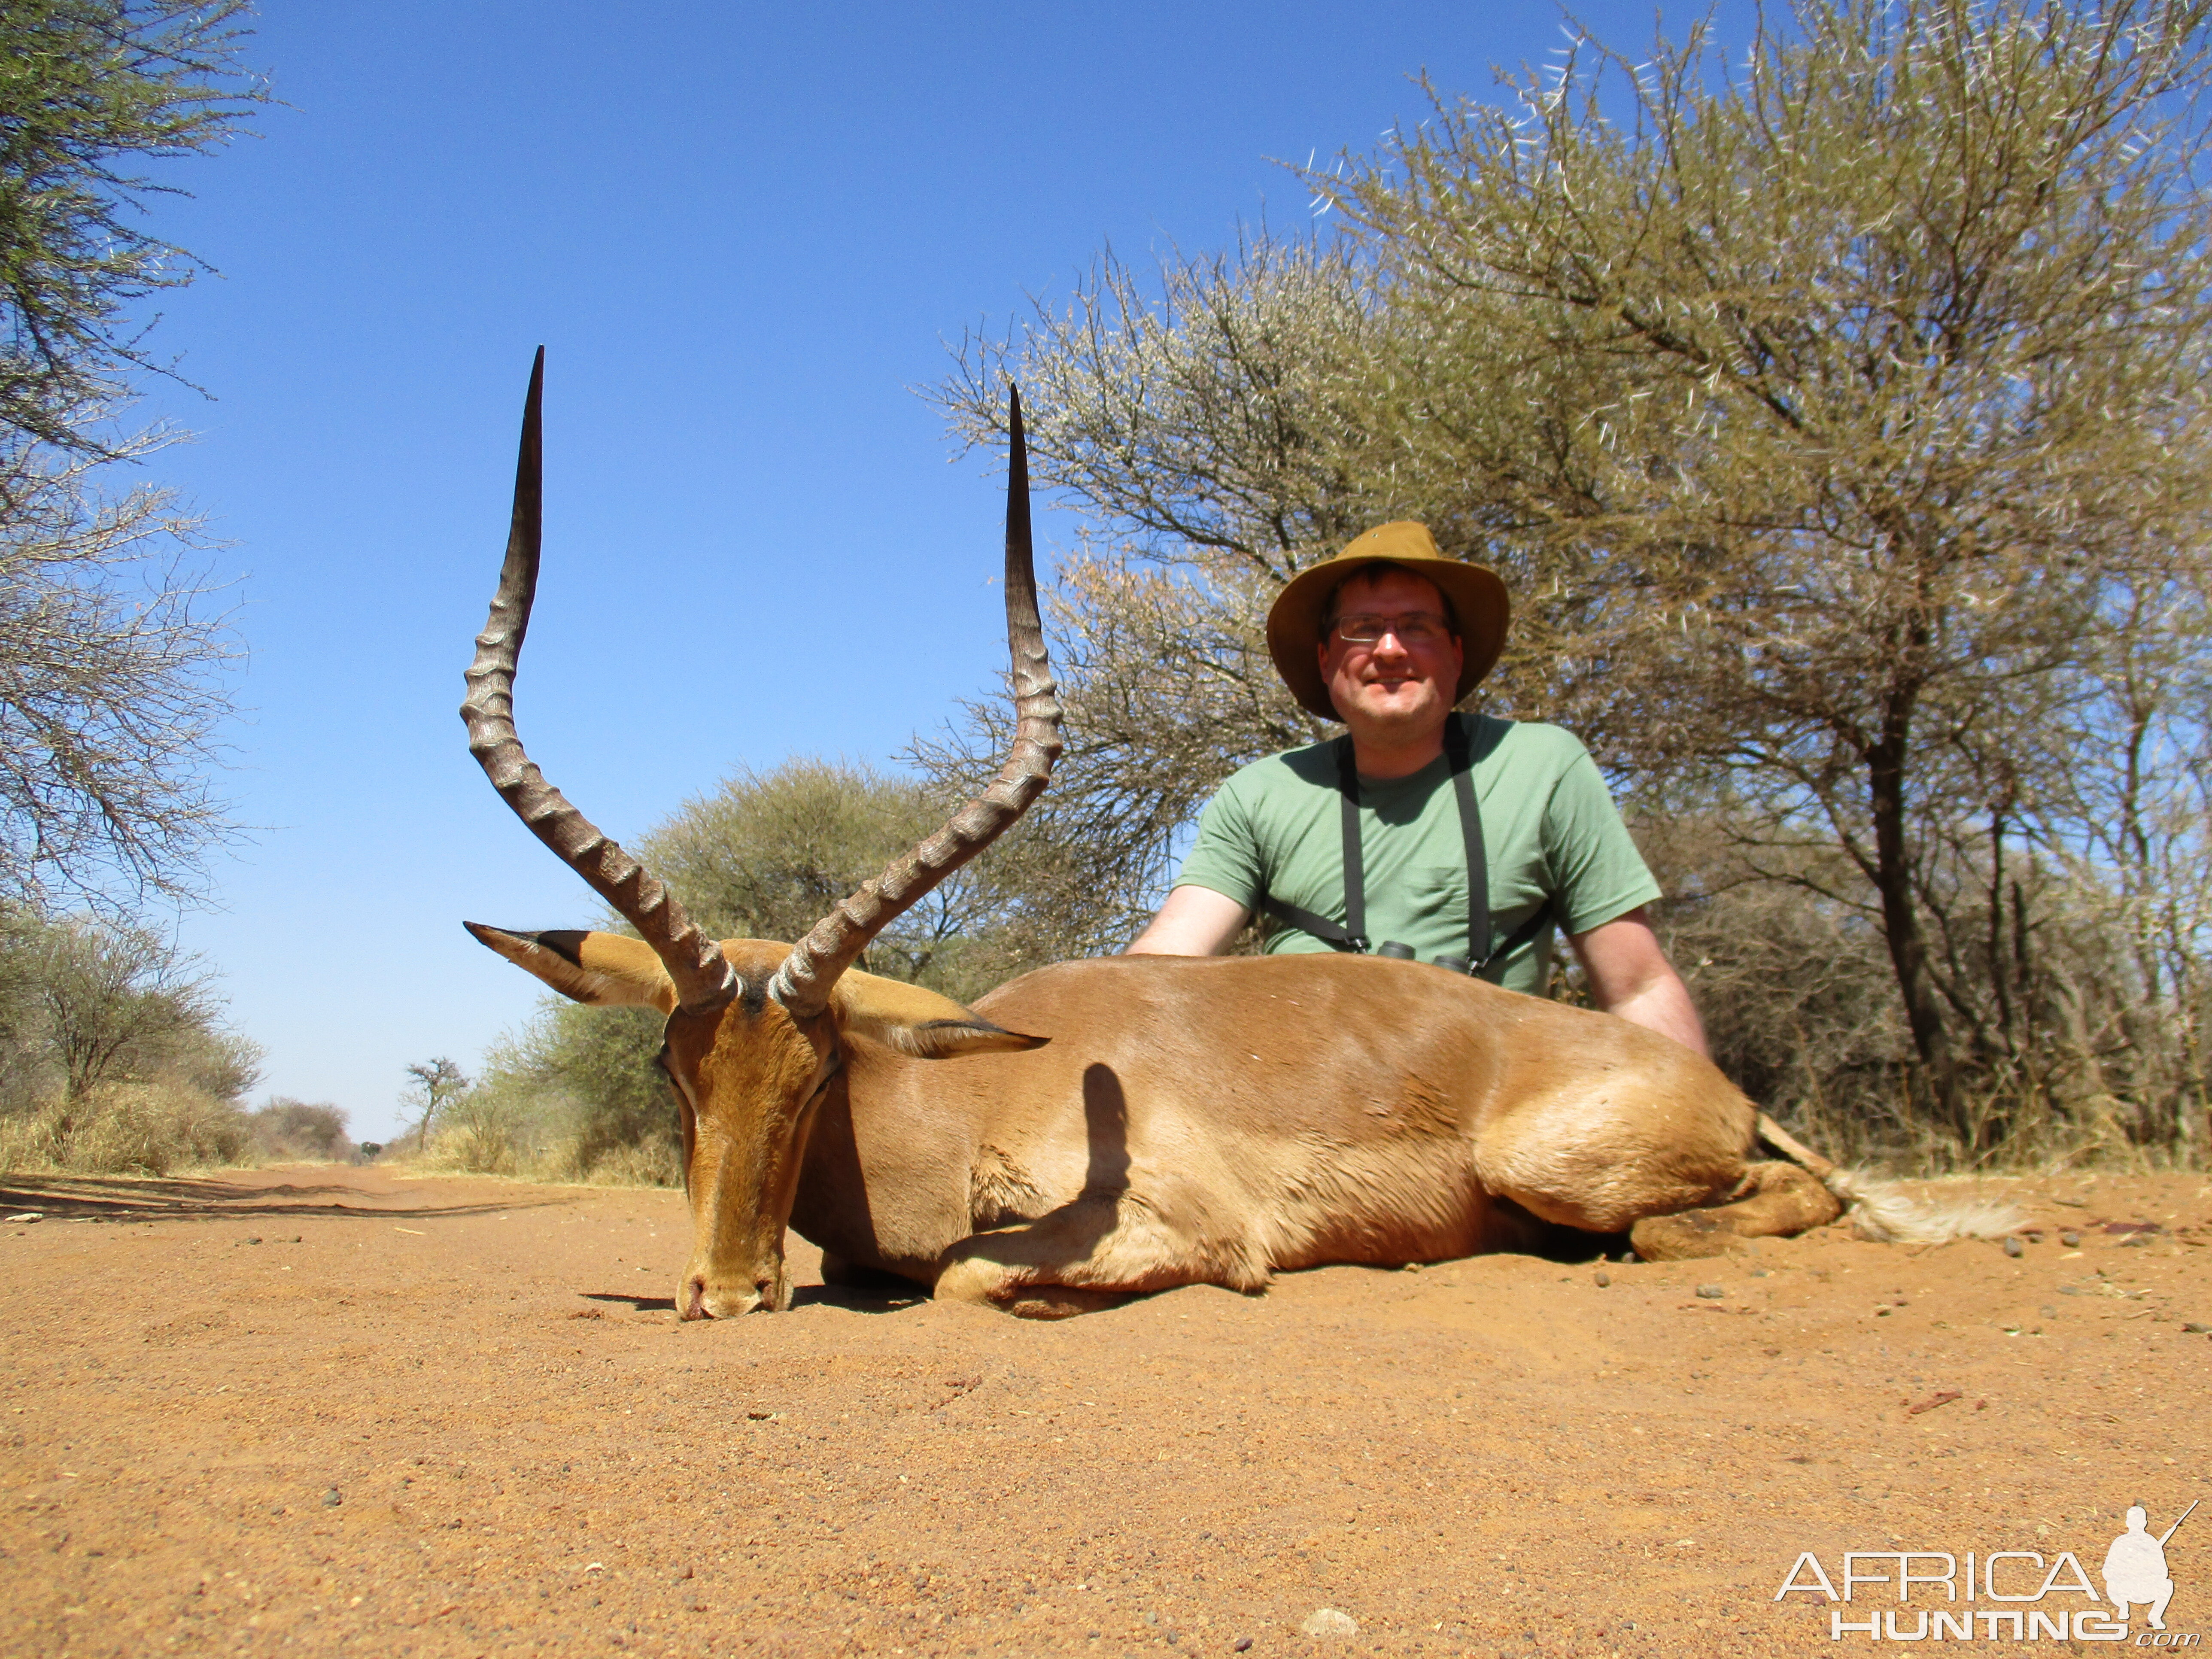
x=1882, y=1212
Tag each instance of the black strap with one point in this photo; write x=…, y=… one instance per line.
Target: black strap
x=1470, y=831
x=1352, y=935
x=1355, y=874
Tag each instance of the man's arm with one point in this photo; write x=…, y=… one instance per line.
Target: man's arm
x=1630, y=975
x=1195, y=921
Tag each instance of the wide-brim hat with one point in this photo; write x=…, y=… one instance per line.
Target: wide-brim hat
x=1478, y=600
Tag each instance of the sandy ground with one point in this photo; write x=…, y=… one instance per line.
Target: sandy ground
x=335, y=1409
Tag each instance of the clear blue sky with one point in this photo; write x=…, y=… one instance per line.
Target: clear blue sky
x=744, y=234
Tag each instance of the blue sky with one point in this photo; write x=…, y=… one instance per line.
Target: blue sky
x=743, y=234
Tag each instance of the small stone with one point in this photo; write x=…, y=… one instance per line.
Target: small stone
x=332, y=1499
x=1151, y=1618
x=2196, y=1327
x=2070, y=1239
x=1711, y=1292
x=253, y=1241
x=1241, y=1644
x=1604, y=1280
x=2013, y=1246
x=682, y=1573
x=28, y=1215
x=1327, y=1621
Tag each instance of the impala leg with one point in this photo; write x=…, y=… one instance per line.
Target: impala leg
x=1085, y=1255
x=1775, y=1200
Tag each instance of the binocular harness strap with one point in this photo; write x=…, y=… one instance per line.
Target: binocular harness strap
x=1352, y=935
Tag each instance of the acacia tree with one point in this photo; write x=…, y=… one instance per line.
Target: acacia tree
x=1903, y=324
x=432, y=1085
x=111, y=665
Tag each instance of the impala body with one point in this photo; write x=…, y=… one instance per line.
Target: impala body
x=1098, y=1128
x=1368, y=1110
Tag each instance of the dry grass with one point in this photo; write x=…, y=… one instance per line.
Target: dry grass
x=128, y=1128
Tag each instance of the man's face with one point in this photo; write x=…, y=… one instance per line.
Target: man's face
x=1392, y=689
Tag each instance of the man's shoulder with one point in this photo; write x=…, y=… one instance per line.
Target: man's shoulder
x=1313, y=766
x=1524, y=741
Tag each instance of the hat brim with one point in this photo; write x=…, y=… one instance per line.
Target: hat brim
x=1478, y=599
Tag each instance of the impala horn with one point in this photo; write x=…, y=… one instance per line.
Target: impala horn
x=803, y=984
x=704, y=982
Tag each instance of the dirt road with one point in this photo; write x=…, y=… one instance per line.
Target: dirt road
x=334, y=1410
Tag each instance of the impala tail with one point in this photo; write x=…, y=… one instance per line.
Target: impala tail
x=1883, y=1211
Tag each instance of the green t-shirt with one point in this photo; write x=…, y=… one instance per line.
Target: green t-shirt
x=1549, y=828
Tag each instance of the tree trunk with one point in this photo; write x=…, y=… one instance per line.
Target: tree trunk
x=1900, y=917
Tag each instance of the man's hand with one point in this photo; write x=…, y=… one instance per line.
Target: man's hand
x=1630, y=975
x=1195, y=921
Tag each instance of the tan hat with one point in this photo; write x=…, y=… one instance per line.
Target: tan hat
x=1477, y=596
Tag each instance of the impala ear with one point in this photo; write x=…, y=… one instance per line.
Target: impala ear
x=917, y=1022
x=606, y=970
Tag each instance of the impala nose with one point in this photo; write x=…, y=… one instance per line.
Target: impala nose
x=698, y=1301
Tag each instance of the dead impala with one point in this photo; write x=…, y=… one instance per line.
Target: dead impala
x=1102, y=1127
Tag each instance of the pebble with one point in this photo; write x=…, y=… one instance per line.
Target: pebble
x=2070, y=1239
x=30, y=1215
x=1327, y=1621
x=1241, y=1644
x=2013, y=1246
x=332, y=1499
x=1711, y=1292
x=1604, y=1280
x=2196, y=1327
x=682, y=1573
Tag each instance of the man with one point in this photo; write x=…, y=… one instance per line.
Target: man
x=1388, y=637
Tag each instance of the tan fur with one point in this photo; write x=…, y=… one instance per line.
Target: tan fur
x=1099, y=1128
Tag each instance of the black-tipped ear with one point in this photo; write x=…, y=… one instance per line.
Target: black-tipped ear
x=605, y=970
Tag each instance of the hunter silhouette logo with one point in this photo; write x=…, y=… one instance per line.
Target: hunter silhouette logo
x=2135, y=1567
x=2036, y=1598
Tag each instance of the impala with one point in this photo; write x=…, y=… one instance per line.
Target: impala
x=1102, y=1128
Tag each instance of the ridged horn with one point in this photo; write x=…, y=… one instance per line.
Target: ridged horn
x=803, y=983
x=704, y=982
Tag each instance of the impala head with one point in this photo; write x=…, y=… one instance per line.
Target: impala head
x=756, y=1030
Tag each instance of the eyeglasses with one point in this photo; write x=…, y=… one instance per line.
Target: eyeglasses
x=1415, y=628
